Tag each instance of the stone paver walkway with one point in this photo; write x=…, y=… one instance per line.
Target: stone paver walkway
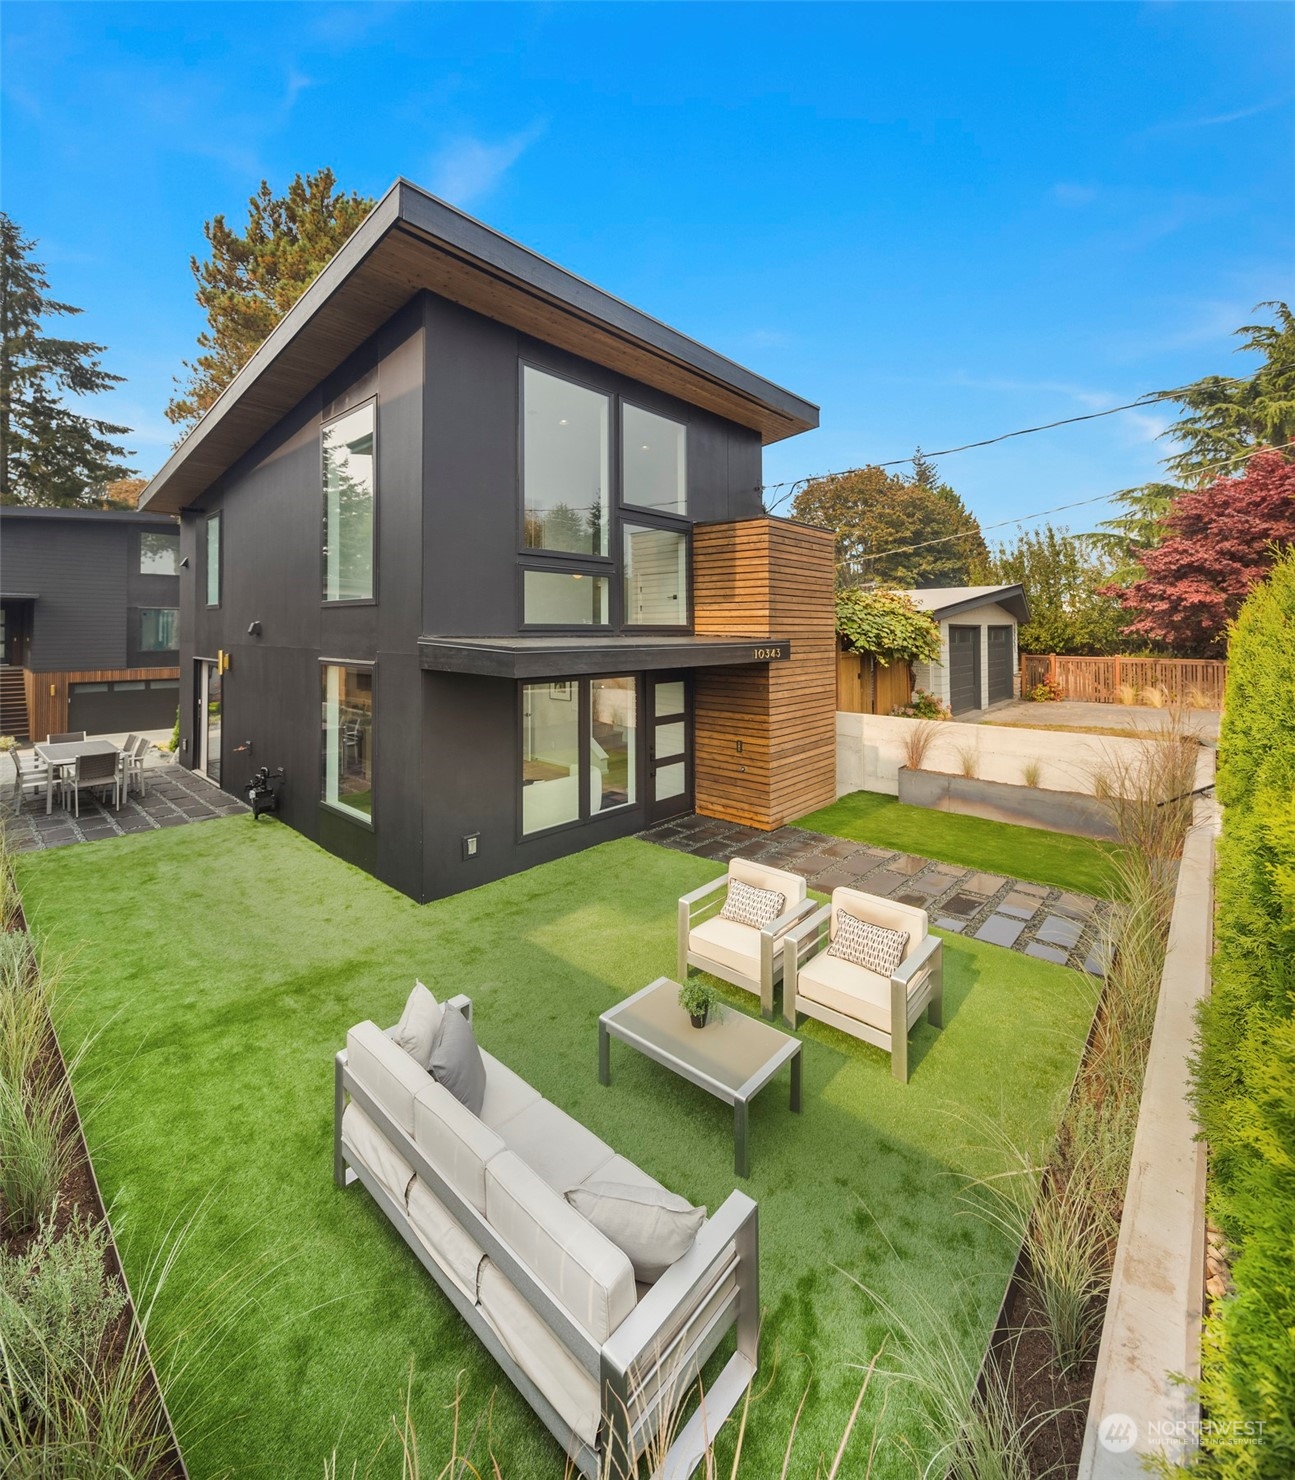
x=175, y=797
x=1051, y=924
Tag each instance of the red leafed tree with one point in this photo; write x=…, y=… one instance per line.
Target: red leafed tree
x=1219, y=543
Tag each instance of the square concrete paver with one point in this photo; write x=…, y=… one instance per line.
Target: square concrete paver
x=946, y=923
x=1075, y=906
x=999, y=930
x=882, y=881
x=963, y=904
x=833, y=878
x=985, y=884
x=1056, y=931
x=1019, y=905
x=906, y=863
x=1046, y=953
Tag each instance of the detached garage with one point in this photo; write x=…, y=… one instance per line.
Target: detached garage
x=978, y=647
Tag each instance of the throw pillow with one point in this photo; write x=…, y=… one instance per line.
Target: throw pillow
x=871, y=946
x=747, y=905
x=651, y=1226
x=457, y=1063
x=418, y=1026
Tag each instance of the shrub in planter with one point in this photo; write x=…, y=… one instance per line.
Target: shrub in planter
x=923, y=705
x=1049, y=691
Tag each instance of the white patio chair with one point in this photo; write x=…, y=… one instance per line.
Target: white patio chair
x=91, y=773
x=31, y=777
x=734, y=952
x=878, y=1009
x=133, y=753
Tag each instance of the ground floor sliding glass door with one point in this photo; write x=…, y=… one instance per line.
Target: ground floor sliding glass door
x=209, y=691
x=581, y=750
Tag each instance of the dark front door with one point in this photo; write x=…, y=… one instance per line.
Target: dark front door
x=964, y=669
x=669, y=728
x=1001, y=667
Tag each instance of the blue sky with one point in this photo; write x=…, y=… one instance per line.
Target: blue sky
x=938, y=222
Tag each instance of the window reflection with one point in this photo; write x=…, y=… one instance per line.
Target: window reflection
x=566, y=465
x=654, y=460
x=613, y=732
x=656, y=577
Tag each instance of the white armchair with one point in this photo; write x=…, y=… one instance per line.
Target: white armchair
x=736, y=953
x=877, y=1009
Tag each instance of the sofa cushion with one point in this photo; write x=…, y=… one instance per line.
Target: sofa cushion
x=387, y=1072
x=621, y=1169
x=587, y=1274
x=419, y=1024
x=455, y=1142
x=571, y=1389
x=752, y=907
x=858, y=993
x=652, y=1226
x=365, y=1145
x=561, y=1150
x=879, y=911
x=456, y=1061
x=457, y=1254
x=506, y=1092
x=864, y=944
x=731, y=946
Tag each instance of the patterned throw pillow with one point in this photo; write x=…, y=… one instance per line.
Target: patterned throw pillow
x=871, y=946
x=747, y=905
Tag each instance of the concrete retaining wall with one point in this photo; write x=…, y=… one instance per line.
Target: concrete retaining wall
x=999, y=801
x=1152, y=1332
x=870, y=751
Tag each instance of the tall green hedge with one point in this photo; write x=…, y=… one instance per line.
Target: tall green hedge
x=1244, y=1072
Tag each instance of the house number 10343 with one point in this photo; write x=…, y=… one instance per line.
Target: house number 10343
x=775, y=652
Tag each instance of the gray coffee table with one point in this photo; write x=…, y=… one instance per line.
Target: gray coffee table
x=732, y=1058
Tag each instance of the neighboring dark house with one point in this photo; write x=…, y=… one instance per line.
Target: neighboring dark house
x=476, y=552
x=89, y=621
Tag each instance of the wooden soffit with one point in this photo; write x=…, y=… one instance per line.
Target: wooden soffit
x=411, y=242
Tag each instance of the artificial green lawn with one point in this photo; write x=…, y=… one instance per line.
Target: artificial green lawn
x=220, y=966
x=996, y=847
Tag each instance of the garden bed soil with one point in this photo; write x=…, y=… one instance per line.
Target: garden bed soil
x=79, y=1196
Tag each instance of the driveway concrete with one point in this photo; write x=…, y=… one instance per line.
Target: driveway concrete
x=1071, y=715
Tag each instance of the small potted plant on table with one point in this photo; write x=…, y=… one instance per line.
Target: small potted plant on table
x=698, y=998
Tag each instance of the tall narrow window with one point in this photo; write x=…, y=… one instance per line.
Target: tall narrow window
x=566, y=470
x=348, y=739
x=213, y=560
x=349, y=495
x=550, y=755
x=656, y=577
x=613, y=733
x=654, y=455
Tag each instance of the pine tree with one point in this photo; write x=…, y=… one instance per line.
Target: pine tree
x=49, y=454
x=249, y=282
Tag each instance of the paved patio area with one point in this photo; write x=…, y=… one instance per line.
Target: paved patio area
x=1051, y=924
x=175, y=797
x=1070, y=714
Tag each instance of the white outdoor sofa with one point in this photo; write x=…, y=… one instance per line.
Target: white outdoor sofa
x=859, y=1002
x=479, y=1200
x=736, y=953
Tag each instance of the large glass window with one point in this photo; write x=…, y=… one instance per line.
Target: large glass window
x=213, y=560
x=552, y=598
x=159, y=629
x=613, y=733
x=349, y=495
x=159, y=554
x=654, y=455
x=656, y=577
x=550, y=755
x=566, y=470
x=348, y=739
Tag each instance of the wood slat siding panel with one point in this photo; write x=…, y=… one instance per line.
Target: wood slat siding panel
x=1100, y=680
x=47, y=712
x=766, y=578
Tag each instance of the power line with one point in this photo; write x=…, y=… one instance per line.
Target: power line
x=1101, y=498
x=1151, y=400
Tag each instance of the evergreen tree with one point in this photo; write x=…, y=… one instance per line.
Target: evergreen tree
x=251, y=280
x=49, y=454
x=1061, y=574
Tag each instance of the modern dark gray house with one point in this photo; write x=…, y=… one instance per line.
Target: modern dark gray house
x=89, y=621
x=476, y=552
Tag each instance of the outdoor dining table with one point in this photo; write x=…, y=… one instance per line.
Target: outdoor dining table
x=63, y=754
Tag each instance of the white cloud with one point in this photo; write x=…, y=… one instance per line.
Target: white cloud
x=1215, y=120
x=1067, y=193
x=468, y=168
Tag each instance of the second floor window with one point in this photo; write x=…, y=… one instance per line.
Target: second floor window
x=159, y=554
x=566, y=465
x=350, y=493
x=159, y=629
x=655, y=461
x=213, y=560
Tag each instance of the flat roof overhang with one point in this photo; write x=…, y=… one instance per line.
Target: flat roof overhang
x=572, y=657
x=410, y=242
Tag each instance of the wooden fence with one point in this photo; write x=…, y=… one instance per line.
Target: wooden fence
x=1118, y=680
x=863, y=686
